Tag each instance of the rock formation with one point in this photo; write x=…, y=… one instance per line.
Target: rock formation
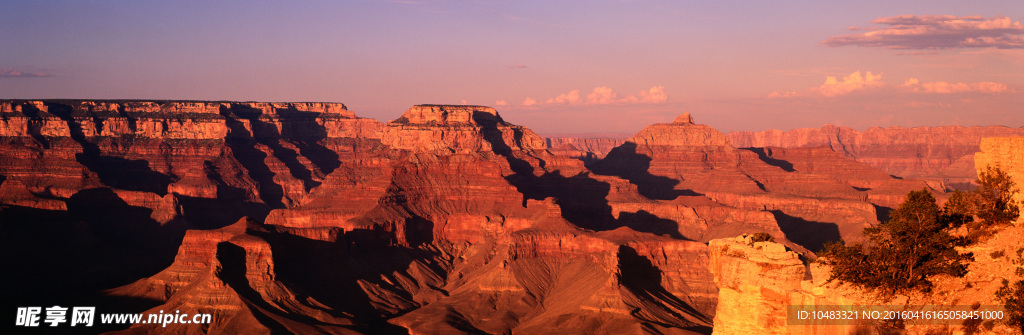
x=587, y=150
x=778, y=282
x=755, y=280
x=942, y=154
x=103, y=191
x=302, y=217
x=684, y=161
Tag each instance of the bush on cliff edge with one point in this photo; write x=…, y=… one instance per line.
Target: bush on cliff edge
x=903, y=252
x=987, y=207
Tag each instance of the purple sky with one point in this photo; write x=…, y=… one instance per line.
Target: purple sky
x=554, y=66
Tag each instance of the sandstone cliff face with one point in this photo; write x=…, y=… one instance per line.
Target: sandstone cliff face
x=272, y=153
x=772, y=278
x=455, y=128
x=478, y=192
x=587, y=150
x=1007, y=153
x=301, y=217
x=943, y=154
x=814, y=194
x=115, y=184
x=766, y=275
x=482, y=234
x=755, y=280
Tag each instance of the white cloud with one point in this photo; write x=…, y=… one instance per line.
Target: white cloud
x=571, y=98
x=856, y=81
x=604, y=95
x=655, y=95
x=834, y=87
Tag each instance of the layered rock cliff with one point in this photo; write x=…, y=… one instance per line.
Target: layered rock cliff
x=773, y=278
x=763, y=286
x=103, y=191
x=813, y=194
x=587, y=150
x=943, y=154
x=302, y=217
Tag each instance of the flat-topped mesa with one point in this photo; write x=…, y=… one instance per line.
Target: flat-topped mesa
x=195, y=120
x=297, y=108
x=457, y=129
x=682, y=132
x=448, y=115
x=188, y=108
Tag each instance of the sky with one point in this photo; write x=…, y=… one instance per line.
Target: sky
x=557, y=67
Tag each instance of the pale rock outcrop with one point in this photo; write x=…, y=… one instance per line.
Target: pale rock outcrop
x=755, y=280
x=759, y=283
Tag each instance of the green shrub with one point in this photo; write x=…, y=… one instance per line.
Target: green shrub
x=985, y=208
x=903, y=252
x=762, y=237
x=1012, y=297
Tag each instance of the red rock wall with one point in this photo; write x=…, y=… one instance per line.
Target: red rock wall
x=300, y=217
x=943, y=154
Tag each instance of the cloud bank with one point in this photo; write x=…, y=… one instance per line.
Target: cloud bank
x=604, y=95
x=12, y=73
x=855, y=82
x=936, y=32
x=834, y=87
x=942, y=87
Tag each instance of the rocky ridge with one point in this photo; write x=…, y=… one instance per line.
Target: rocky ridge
x=771, y=276
x=587, y=150
x=304, y=218
x=942, y=154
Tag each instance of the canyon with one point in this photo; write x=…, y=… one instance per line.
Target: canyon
x=939, y=154
x=304, y=217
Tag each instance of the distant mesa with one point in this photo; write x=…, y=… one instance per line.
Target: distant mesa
x=456, y=129
x=682, y=132
x=448, y=114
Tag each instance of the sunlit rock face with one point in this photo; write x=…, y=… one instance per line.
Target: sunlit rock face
x=814, y=194
x=755, y=280
x=940, y=154
x=587, y=150
x=773, y=278
x=303, y=217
